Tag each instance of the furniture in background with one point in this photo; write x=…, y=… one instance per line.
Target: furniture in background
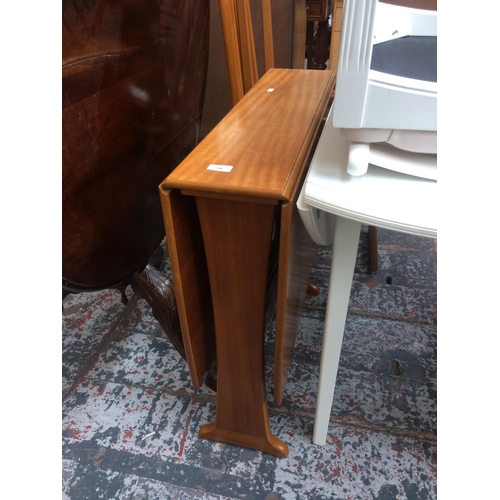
x=318, y=13
x=236, y=192
x=333, y=55
x=299, y=33
x=133, y=80
x=287, y=23
x=289, y=40
x=239, y=41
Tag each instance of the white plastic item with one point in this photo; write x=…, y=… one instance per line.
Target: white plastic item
x=365, y=98
x=381, y=197
x=383, y=155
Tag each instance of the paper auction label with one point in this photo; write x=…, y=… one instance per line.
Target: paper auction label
x=220, y=168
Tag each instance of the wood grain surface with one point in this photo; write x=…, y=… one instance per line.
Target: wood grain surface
x=133, y=81
x=265, y=138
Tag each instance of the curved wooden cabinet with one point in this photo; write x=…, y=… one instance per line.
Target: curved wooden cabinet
x=133, y=82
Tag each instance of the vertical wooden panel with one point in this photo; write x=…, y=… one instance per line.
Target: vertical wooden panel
x=218, y=100
x=238, y=281
x=247, y=45
x=191, y=283
x=228, y=15
x=299, y=35
x=268, y=34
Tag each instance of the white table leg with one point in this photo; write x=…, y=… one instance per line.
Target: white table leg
x=345, y=249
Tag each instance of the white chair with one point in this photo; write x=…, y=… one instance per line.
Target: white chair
x=386, y=91
x=333, y=205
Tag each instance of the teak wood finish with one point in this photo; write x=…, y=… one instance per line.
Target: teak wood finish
x=239, y=43
x=245, y=218
x=299, y=33
x=266, y=139
x=192, y=285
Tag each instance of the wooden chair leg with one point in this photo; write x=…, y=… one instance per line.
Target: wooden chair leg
x=373, y=241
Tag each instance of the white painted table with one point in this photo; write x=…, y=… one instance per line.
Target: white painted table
x=333, y=206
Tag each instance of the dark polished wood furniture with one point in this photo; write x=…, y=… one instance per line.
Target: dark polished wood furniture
x=133, y=81
x=317, y=11
x=237, y=246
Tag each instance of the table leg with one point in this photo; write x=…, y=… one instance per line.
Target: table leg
x=237, y=238
x=345, y=249
x=321, y=47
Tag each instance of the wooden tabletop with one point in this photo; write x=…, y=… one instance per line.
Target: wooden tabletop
x=259, y=148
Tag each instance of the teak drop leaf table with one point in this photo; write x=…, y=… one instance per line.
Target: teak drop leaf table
x=237, y=246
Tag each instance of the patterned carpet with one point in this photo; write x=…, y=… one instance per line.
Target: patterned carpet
x=130, y=417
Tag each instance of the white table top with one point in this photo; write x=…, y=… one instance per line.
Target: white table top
x=381, y=197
